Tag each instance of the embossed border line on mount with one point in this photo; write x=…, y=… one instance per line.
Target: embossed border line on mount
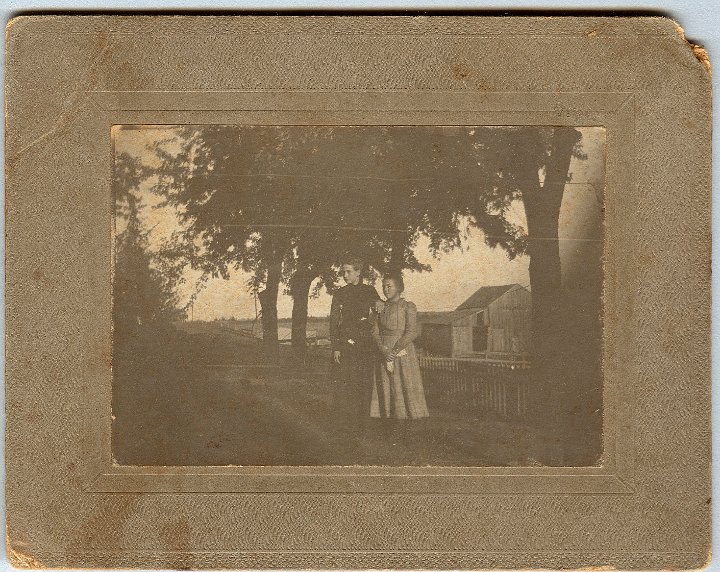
x=614, y=111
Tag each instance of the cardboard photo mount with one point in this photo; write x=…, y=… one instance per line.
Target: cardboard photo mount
x=71, y=78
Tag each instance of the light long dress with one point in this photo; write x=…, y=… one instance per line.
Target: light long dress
x=398, y=394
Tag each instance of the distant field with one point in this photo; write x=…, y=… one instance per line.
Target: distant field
x=317, y=328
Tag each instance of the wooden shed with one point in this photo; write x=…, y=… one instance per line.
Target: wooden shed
x=492, y=323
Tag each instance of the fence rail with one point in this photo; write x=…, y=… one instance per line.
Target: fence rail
x=479, y=386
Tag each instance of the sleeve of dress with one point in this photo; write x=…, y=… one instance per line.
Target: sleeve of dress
x=335, y=312
x=411, y=329
x=376, y=330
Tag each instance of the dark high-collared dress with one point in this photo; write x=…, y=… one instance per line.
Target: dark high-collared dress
x=351, y=324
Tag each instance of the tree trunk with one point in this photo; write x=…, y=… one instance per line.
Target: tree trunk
x=268, y=304
x=300, y=289
x=542, y=208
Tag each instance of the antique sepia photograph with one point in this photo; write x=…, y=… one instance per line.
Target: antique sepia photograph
x=358, y=295
x=378, y=291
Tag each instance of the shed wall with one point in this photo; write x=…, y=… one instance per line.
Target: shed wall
x=509, y=320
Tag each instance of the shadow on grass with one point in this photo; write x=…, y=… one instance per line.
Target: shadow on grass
x=198, y=395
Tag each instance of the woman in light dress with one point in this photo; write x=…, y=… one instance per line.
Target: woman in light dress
x=398, y=392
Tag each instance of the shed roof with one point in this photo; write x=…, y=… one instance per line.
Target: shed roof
x=485, y=296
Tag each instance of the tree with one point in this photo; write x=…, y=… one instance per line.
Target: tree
x=217, y=177
x=345, y=209
x=144, y=296
x=379, y=189
x=542, y=207
x=521, y=158
x=264, y=199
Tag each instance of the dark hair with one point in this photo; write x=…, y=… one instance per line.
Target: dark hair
x=397, y=278
x=357, y=263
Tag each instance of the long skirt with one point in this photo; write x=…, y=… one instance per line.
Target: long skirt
x=353, y=388
x=399, y=394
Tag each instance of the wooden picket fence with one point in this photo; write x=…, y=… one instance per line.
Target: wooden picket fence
x=478, y=386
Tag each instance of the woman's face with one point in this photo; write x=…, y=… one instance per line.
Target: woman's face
x=389, y=288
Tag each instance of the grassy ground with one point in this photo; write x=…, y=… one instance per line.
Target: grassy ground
x=202, y=395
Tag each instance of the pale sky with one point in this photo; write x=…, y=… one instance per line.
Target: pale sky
x=454, y=276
